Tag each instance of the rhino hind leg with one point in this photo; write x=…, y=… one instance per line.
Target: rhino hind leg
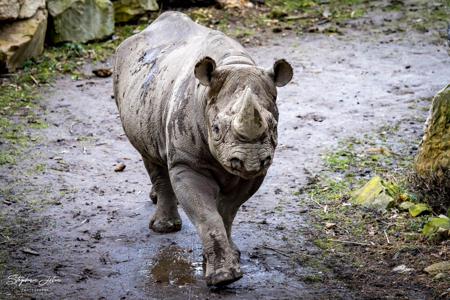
x=166, y=218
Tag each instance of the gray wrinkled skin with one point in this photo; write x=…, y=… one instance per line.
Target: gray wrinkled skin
x=204, y=119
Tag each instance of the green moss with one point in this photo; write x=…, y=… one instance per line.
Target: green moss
x=7, y=158
x=40, y=168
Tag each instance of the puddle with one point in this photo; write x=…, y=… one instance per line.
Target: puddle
x=172, y=265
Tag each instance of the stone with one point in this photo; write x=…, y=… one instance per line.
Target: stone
x=437, y=227
x=9, y=9
x=373, y=194
x=22, y=40
x=402, y=269
x=29, y=7
x=419, y=209
x=406, y=205
x=433, y=158
x=19, y=9
x=440, y=267
x=80, y=20
x=128, y=10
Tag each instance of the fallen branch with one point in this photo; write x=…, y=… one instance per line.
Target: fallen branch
x=276, y=250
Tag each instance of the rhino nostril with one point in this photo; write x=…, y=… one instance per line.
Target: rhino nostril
x=236, y=163
x=266, y=162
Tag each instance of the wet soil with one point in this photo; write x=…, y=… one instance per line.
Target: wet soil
x=87, y=226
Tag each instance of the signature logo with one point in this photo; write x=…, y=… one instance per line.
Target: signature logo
x=19, y=280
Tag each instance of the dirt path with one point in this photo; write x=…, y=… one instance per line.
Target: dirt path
x=89, y=224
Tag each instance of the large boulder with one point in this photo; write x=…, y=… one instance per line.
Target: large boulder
x=433, y=158
x=19, y=9
x=80, y=20
x=21, y=40
x=29, y=7
x=9, y=9
x=127, y=10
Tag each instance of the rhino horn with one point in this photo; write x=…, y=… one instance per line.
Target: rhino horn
x=249, y=123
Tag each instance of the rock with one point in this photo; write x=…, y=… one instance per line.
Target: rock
x=80, y=20
x=433, y=158
x=419, y=209
x=119, y=167
x=22, y=40
x=440, y=267
x=402, y=269
x=29, y=7
x=440, y=276
x=127, y=10
x=102, y=72
x=234, y=4
x=9, y=9
x=330, y=225
x=373, y=194
x=19, y=9
x=406, y=205
x=439, y=226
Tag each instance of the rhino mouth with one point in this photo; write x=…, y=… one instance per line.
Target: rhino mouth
x=246, y=174
x=245, y=171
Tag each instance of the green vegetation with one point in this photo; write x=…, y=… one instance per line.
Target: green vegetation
x=20, y=108
x=361, y=236
x=349, y=168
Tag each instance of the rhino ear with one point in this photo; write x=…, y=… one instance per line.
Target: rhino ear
x=281, y=73
x=204, y=69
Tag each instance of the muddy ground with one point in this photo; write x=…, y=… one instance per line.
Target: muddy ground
x=81, y=229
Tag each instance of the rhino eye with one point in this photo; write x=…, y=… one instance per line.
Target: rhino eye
x=216, y=131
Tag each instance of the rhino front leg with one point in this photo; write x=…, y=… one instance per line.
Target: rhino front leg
x=198, y=195
x=228, y=216
x=166, y=218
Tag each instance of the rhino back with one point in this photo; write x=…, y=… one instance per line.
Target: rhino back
x=159, y=100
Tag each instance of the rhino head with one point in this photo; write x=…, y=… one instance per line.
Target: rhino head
x=241, y=113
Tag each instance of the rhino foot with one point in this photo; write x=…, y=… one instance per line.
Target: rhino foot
x=165, y=224
x=224, y=276
x=235, y=249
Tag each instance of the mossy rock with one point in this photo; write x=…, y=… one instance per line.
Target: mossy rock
x=80, y=20
x=128, y=10
x=433, y=158
x=419, y=209
x=437, y=227
x=21, y=40
x=373, y=194
x=440, y=267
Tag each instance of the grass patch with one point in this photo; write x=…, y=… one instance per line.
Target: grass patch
x=356, y=237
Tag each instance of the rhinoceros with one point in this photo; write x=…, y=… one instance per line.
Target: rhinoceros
x=204, y=118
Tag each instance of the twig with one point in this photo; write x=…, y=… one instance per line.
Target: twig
x=387, y=238
x=277, y=251
x=34, y=80
x=349, y=242
x=82, y=222
x=311, y=198
x=7, y=238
